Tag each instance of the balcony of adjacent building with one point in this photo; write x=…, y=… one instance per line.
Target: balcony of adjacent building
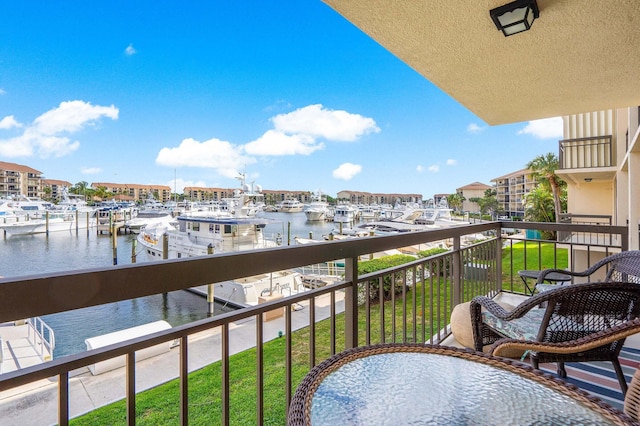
x=587, y=159
x=251, y=360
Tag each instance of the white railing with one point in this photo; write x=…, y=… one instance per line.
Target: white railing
x=41, y=337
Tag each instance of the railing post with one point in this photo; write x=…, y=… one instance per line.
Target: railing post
x=351, y=303
x=457, y=272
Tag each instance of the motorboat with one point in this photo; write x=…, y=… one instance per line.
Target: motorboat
x=291, y=206
x=317, y=209
x=146, y=217
x=345, y=213
x=66, y=219
x=232, y=228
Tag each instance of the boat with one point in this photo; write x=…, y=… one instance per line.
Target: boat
x=345, y=213
x=317, y=209
x=145, y=218
x=291, y=206
x=20, y=206
x=369, y=212
x=233, y=226
x=54, y=220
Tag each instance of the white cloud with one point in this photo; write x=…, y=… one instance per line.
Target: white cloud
x=452, y=162
x=43, y=137
x=91, y=170
x=274, y=142
x=474, y=128
x=72, y=116
x=316, y=121
x=129, y=51
x=548, y=128
x=419, y=169
x=2, y=91
x=9, y=122
x=434, y=169
x=347, y=171
x=222, y=156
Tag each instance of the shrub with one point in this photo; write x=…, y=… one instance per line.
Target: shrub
x=370, y=266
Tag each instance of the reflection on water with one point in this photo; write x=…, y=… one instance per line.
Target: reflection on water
x=68, y=250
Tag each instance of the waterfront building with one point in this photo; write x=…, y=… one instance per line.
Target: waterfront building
x=472, y=190
x=53, y=188
x=511, y=190
x=137, y=192
x=600, y=161
x=17, y=179
x=367, y=198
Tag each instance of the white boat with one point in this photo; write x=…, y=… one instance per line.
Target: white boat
x=345, y=213
x=53, y=221
x=231, y=229
x=368, y=213
x=18, y=207
x=147, y=217
x=317, y=209
x=291, y=206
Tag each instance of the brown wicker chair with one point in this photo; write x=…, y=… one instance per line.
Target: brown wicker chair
x=620, y=267
x=570, y=313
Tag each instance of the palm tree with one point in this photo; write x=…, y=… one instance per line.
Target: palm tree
x=538, y=205
x=543, y=169
x=455, y=201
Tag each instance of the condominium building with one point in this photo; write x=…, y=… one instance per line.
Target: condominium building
x=511, y=190
x=470, y=191
x=359, y=197
x=600, y=161
x=135, y=191
x=17, y=179
x=53, y=188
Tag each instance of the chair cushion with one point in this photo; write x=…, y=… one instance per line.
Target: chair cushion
x=461, y=323
x=524, y=328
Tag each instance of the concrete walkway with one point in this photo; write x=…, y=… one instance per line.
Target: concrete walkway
x=37, y=403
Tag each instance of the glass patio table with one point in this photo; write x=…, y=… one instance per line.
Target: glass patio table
x=415, y=384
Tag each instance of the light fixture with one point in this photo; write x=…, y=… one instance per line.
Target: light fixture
x=515, y=17
x=588, y=179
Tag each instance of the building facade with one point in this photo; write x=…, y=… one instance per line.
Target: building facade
x=52, y=188
x=472, y=190
x=135, y=191
x=17, y=179
x=511, y=190
x=368, y=198
x=599, y=159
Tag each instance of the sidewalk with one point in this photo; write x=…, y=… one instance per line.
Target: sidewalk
x=37, y=403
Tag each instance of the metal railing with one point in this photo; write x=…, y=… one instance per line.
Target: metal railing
x=588, y=152
x=407, y=303
x=41, y=337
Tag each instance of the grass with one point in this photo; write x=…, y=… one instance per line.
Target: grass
x=160, y=405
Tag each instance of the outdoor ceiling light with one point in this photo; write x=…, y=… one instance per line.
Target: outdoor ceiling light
x=515, y=17
x=588, y=179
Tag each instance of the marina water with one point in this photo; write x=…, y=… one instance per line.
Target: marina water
x=68, y=251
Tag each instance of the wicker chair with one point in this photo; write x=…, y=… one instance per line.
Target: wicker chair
x=620, y=267
x=569, y=313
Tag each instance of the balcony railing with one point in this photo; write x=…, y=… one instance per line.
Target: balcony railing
x=583, y=153
x=408, y=303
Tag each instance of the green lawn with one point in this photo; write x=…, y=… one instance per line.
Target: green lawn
x=159, y=406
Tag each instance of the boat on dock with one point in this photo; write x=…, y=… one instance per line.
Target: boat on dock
x=233, y=228
x=291, y=206
x=318, y=209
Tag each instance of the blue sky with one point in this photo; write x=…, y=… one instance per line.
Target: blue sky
x=190, y=93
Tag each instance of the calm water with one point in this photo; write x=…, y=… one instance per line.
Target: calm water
x=65, y=251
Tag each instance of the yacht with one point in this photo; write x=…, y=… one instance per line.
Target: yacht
x=233, y=227
x=317, y=209
x=291, y=206
x=345, y=213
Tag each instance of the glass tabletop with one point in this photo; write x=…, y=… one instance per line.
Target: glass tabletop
x=421, y=388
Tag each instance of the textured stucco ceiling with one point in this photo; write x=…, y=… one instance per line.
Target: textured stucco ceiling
x=579, y=56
